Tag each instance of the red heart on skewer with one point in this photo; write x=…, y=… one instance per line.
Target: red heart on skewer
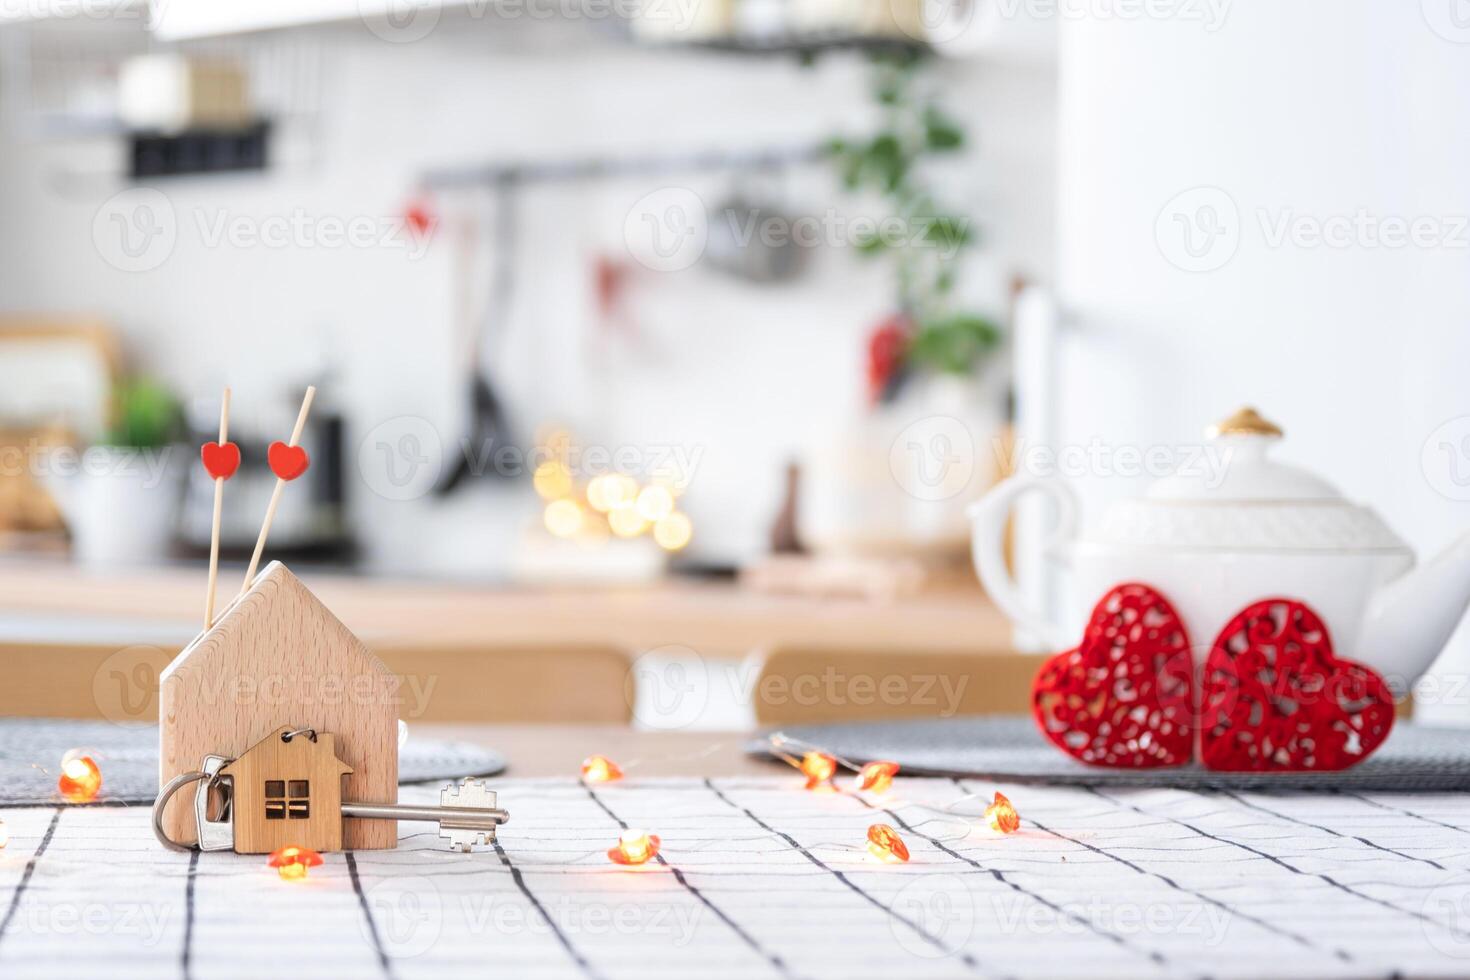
x=287, y=462
x=1125, y=696
x=221, y=460
x=1276, y=698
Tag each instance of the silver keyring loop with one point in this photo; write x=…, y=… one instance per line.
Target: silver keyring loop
x=166, y=794
x=308, y=732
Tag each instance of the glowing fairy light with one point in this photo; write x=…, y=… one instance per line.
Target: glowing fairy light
x=600, y=769
x=625, y=521
x=1002, y=816
x=673, y=531
x=634, y=847
x=818, y=767
x=610, y=491
x=292, y=862
x=885, y=844
x=876, y=777
x=552, y=480
x=563, y=518
x=80, y=778
x=655, y=503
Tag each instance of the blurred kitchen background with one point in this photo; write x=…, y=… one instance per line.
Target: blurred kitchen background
x=690, y=327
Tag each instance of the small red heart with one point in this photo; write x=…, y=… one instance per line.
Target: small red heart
x=287, y=462
x=220, y=460
x=1276, y=698
x=1125, y=696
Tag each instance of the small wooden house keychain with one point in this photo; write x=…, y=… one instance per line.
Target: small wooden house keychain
x=284, y=719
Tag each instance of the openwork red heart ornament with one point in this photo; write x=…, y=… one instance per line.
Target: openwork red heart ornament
x=1125, y=696
x=220, y=460
x=1276, y=698
x=287, y=462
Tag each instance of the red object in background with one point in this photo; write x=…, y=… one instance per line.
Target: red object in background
x=887, y=346
x=419, y=217
x=287, y=462
x=1277, y=699
x=220, y=461
x=1125, y=696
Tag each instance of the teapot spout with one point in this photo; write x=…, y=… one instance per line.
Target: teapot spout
x=1411, y=618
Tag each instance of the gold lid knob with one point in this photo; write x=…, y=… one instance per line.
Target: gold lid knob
x=1246, y=422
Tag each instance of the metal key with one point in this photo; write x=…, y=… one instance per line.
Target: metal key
x=467, y=813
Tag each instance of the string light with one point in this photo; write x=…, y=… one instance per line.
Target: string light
x=634, y=847
x=655, y=503
x=292, y=862
x=80, y=778
x=4, y=835
x=610, y=491
x=885, y=844
x=1002, y=816
x=600, y=769
x=563, y=518
x=625, y=521
x=552, y=480
x=673, y=531
x=875, y=777
x=818, y=768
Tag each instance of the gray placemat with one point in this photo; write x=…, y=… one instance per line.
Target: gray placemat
x=31, y=751
x=1416, y=758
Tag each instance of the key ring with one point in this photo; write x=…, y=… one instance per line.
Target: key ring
x=166, y=794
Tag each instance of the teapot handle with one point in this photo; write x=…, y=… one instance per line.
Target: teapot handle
x=988, y=518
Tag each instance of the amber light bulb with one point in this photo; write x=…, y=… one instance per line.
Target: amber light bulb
x=875, y=777
x=1002, y=815
x=885, y=844
x=80, y=779
x=293, y=862
x=600, y=769
x=818, y=768
x=634, y=847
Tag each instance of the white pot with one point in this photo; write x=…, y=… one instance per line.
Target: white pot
x=1266, y=530
x=121, y=505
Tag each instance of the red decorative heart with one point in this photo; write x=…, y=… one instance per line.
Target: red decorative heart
x=220, y=460
x=1277, y=699
x=1125, y=696
x=287, y=462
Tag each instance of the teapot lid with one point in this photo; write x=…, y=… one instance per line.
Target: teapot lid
x=1237, y=467
x=1236, y=498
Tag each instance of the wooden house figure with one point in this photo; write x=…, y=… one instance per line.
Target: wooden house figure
x=287, y=789
x=276, y=658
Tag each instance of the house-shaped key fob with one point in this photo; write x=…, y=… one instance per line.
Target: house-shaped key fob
x=287, y=789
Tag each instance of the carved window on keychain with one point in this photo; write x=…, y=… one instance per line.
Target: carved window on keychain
x=287, y=799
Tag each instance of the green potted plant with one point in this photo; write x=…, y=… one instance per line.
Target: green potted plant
x=120, y=497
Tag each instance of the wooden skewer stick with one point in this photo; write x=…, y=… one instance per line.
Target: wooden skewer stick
x=270, y=511
x=219, y=499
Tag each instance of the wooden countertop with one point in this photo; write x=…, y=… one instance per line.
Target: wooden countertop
x=49, y=601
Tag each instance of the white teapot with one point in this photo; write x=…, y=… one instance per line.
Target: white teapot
x=1212, y=547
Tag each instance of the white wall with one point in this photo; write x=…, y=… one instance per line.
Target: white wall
x=1308, y=110
x=747, y=375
